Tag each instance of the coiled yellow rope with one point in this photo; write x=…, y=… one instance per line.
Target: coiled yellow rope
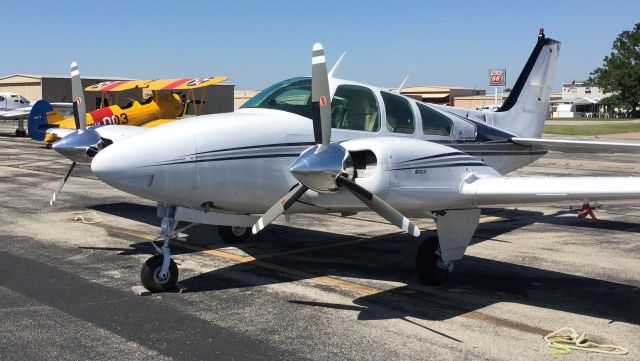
x=566, y=339
x=87, y=217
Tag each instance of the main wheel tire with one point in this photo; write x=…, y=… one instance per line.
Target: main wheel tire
x=21, y=133
x=150, y=275
x=427, y=261
x=233, y=235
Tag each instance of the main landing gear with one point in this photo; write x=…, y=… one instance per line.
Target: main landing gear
x=233, y=234
x=160, y=273
x=430, y=268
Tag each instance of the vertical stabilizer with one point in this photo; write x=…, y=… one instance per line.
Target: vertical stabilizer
x=525, y=110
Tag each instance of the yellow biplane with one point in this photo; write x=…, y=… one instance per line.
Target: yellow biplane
x=49, y=125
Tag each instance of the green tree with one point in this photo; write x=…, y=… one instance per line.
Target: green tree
x=620, y=71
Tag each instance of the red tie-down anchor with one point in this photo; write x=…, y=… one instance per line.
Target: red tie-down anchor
x=587, y=210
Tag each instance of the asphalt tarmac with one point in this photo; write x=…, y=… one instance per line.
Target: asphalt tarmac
x=321, y=287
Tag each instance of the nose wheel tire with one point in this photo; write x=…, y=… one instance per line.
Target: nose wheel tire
x=233, y=235
x=429, y=267
x=151, y=278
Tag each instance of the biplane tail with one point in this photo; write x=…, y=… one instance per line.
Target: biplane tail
x=38, y=123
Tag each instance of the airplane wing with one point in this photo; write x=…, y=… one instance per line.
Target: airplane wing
x=117, y=85
x=15, y=113
x=493, y=191
x=185, y=84
x=580, y=146
x=23, y=112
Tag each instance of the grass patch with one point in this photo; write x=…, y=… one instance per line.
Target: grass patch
x=599, y=129
x=594, y=119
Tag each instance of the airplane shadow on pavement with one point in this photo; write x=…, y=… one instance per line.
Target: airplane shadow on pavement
x=475, y=283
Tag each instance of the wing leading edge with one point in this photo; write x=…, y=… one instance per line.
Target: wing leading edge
x=522, y=190
x=580, y=146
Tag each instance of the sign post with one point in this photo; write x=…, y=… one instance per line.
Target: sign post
x=497, y=78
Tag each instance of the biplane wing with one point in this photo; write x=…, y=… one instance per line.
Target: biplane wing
x=117, y=85
x=184, y=84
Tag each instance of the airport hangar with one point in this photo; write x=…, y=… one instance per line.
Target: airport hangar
x=55, y=88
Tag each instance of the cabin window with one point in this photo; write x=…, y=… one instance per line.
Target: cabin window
x=15, y=98
x=400, y=118
x=434, y=122
x=292, y=95
x=24, y=100
x=356, y=108
x=1, y=98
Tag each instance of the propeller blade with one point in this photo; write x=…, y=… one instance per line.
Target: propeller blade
x=320, y=96
x=379, y=206
x=79, y=108
x=279, y=207
x=64, y=180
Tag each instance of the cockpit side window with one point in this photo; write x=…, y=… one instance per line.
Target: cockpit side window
x=400, y=118
x=15, y=98
x=292, y=95
x=24, y=100
x=356, y=108
x=434, y=122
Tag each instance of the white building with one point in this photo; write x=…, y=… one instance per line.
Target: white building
x=579, y=100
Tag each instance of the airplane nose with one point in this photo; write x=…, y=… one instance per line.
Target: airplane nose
x=149, y=165
x=114, y=167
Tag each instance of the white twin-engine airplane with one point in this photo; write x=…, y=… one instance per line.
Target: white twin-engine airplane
x=322, y=145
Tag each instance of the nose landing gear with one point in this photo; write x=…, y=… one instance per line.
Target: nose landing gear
x=160, y=273
x=154, y=279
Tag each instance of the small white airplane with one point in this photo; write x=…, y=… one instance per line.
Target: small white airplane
x=15, y=106
x=332, y=145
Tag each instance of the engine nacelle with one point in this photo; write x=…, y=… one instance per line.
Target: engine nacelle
x=413, y=175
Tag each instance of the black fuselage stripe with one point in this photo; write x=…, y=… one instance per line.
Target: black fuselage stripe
x=434, y=156
x=275, y=145
x=467, y=164
x=259, y=156
x=260, y=146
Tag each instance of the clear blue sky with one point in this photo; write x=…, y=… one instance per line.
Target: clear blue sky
x=257, y=43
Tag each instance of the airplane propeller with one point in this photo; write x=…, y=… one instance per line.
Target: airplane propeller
x=327, y=166
x=85, y=143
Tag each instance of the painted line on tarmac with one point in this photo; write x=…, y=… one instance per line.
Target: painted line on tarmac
x=390, y=295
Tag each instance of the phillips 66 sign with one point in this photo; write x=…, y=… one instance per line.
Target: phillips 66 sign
x=497, y=77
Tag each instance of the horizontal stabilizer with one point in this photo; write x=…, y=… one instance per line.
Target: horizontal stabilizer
x=580, y=146
x=523, y=190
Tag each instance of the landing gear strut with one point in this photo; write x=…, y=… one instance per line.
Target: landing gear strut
x=233, y=234
x=430, y=268
x=160, y=273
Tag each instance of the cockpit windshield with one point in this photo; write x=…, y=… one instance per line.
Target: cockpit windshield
x=291, y=95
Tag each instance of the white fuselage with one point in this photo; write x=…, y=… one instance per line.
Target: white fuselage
x=239, y=162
